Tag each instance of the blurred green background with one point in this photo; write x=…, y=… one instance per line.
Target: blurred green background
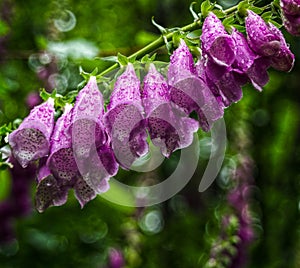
x=43, y=43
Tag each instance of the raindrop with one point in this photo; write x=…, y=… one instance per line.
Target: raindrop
x=66, y=22
x=45, y=58
x=152, y=222
x=59, y=82
x=35, y=63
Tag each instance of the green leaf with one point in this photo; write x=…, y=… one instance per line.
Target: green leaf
x=122, y=60
x=206, y=7
x=278, y=25
x=44, y=94
x=267, y=15
x=256, y=10
x=243, y=7
x=229, y=21
x=240, y=28
x=219, y=13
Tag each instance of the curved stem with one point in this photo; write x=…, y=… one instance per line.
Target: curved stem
x=161, y=40
x=154, y=45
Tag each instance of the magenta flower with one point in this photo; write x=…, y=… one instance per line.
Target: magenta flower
x=284, y=59
x=87, y=127
x=83, y=192
x=125, y=120
x=290, y=7
x=31, y=140
x=292, y=24
x=249, y=63
x=100, y=166
x=216, y=42
x=188, y=91
x=291, y=16
x=61, y=161
x=261, y=37
x=49, y=192
x=168, y=129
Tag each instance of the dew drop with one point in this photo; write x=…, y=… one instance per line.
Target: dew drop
x=66, y=22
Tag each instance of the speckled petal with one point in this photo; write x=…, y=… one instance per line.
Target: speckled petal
x=61, y=160
x=261, y=39
x=216, y=42
x=290, y=7
x=87, y=127
x=48, y=192
x=284, y=59
x=97, y=170
x=244, y=57
x=169, y=129
x=83, y=192
x=31, y=140
x=125, y=120
x=292, y=24
x=189, y=92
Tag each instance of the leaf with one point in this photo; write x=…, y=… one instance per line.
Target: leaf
x=243, y=7
x=278, y=25
x=122, y=60
x=206, y=7
x=229, y=21
x=267, y=15
x=44, y=94
x=256, y=10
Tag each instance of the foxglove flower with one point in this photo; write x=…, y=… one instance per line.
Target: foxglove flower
x=100, y=166
x=83, y=192
x=31, y=140
x=262, y=39
x=223, y=82
x=292, y=24
x=290, y=7
x=49, y=192
x=87, y=127
x=216, y=42
x=61, y=161
x=125, y=120
x=188, y=91
x=284, y=59
x=291, y=16
x=168, y=129
x=249, y=63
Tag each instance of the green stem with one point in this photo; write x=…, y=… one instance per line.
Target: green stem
x=154, y=45
x=161, y=41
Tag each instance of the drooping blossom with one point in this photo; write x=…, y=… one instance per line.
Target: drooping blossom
x=290, y=7
x=249, y=63
x=190, y=92
x=87, y=128
x=268, y=41
x=291, y=15
x=216, y=42
x=31, y=140
x=260, y=37
x=61, y=161
x=49, y=192
x=168, y=129
x=125, y=120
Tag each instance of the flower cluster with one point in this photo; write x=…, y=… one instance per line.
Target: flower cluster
x=291, y=15
x=87, y=143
